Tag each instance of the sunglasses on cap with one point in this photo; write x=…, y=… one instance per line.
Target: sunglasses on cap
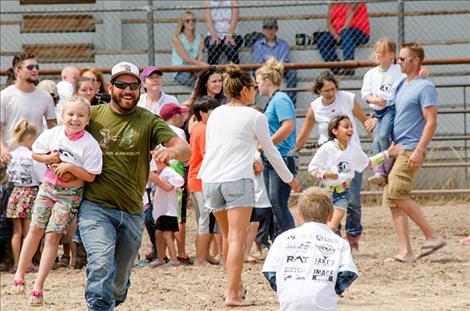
x=32, y=66
x=123, y=85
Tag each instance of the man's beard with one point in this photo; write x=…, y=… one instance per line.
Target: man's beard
x=33, y=81
x=118, y=101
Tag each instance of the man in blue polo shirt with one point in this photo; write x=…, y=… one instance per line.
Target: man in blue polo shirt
x=273, y=46
x=414, y=126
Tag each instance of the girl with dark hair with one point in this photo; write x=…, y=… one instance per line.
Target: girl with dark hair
x=337, y=160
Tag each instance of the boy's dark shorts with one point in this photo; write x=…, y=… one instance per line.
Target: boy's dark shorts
x=167, y=223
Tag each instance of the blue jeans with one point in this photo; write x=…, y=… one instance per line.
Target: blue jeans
x=230, y=51
x=111, y=239
x=350, y=38
x=186, y=78
x=383, y=137
x=353, y=216
x=278, y=193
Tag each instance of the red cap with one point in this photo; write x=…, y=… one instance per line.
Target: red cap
x=169, y=110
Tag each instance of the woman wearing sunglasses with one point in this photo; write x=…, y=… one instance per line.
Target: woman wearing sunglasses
x=233, y=131
x=187, y=48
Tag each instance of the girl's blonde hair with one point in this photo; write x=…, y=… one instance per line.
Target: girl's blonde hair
x=384, y=45
x=77, y=99
x=235, y=79
x=272, y=70
x=21, y=129
x=180, y=25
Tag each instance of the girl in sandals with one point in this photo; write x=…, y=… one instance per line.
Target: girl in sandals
x=74, y=157
x=26, y=175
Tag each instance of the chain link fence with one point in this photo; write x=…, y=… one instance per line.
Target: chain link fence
x=101, y=33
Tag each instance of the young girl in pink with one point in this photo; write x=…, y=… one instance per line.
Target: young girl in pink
x=74, y=157
x=26, y=175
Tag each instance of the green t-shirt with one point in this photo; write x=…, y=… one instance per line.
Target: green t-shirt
x=126, y=142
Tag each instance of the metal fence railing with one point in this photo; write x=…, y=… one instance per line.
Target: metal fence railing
x=103, y=33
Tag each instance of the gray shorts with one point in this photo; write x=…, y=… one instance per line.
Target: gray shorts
x=203, y=214
x=230, y=194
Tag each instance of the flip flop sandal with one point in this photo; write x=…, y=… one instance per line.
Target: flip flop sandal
x=429, y=249
x=36, y=299
x=17, y=287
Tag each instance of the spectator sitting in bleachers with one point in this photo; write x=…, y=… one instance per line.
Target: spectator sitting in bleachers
x=154, y=98
x=222, y=19
x=187, y=48
x=273, y=46
x=348, y=25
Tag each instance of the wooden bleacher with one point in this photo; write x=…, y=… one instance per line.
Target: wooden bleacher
x=62, y=53
x=57, y=23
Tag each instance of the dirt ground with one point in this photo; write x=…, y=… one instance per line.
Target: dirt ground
x=438, y=282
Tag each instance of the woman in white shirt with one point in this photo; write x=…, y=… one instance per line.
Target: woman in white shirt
x=331, y=102
x=232, y=135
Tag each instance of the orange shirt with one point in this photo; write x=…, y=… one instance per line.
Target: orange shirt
x=360, y=19
x=197, y=142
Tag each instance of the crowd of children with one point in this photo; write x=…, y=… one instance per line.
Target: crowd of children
x=307, y=266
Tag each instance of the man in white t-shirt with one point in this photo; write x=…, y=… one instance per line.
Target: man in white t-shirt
x=309, y=265
x=154, y=98
x=24, y=101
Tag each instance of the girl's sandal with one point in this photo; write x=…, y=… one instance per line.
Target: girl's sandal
x=17, y=287
x=36, y=299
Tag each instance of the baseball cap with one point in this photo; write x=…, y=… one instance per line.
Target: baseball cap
x=124, y=68
x=269, y=23
x=149, y=70
x=170, y=109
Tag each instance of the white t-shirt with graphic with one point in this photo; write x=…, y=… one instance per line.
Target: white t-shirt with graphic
x=84, y=152
x=22, y=170
x=165, y=203
x=343, y=162
x=307, y=260
x=343, y=105
x=381, y=83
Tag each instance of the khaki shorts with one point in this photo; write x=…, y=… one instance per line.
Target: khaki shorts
x=400, y=180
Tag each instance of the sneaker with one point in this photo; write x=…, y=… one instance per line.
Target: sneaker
x=172, y=263
x=377, y=180
x=155, y=263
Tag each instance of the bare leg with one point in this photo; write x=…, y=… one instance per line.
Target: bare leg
x=338, y=215
x=202, y=249
x=400, y=222
x=412, y=210
x=237, y=220
x=169, y=237
x=160, y=245
x=73, y=246
x=250, y=238
x=30, y=245
x=48, y=256
x=16, y=239
x=181, y=240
